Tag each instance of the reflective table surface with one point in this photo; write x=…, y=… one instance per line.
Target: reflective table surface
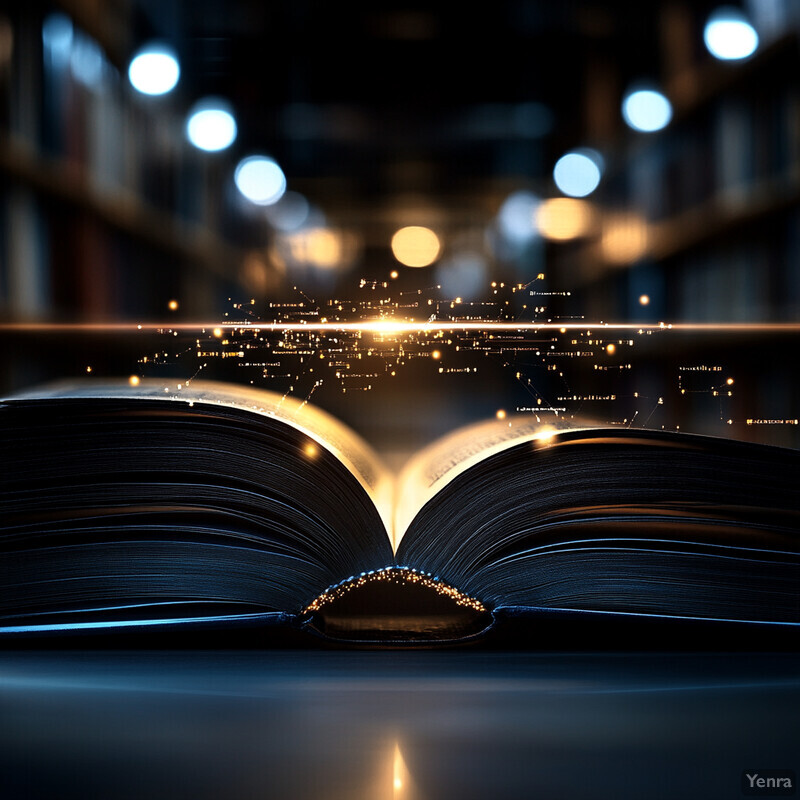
x=393, y=724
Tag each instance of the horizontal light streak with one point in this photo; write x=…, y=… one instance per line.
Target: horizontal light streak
x=381, y=327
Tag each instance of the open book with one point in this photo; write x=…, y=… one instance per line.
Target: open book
x=218, y=506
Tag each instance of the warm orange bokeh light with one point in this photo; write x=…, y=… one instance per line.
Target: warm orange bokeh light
x=416, y=246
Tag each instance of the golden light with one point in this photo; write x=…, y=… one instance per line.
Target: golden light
x=729, y=381
x=624, y=238
x=564, y=218
x=218, y=332
x=611, y=349
x=394, y=274
x=384, y=327
x=399, y=772
x=395, y=575
x=644, y=300
x=436, y=355
x=501, y=414
x=173, y=305
x=311, y=450
x=416, y=246
x=545, y=436
x=318, y=246
x=88, y=369
x=134, y=380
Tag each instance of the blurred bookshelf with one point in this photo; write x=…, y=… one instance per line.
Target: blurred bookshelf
x=702, y=220
x=106, y=212
x=702, y=217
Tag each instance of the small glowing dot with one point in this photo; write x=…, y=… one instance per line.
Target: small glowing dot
x=611, y=349
x=501, y=414
x=398, y=784
x=311, y=450
x=173, y=305
x=563, y=330
x=134, y=380
x=394, y=274
x=436, y=355
x=729, y=381
x=218, y=333
x=644, y=300
x=88, y=369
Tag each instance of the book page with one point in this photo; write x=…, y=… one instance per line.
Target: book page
x=439, y=463
x=320, y=426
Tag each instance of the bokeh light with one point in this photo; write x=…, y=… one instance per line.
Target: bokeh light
x=289, y=213
x=154, y=70
x=729, y=36
x=516, y=216
x=260, y=180
x=86, y=60
x=416, y=246
x=57, y=36
x=211, y=125
x=319, y=247
x=564, y=218
x=624, y=238
x=576, y=174
x=646, y=110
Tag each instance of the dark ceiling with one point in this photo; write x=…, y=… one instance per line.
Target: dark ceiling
x=363, y=104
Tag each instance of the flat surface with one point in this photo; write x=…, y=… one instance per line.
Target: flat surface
x=365, y=724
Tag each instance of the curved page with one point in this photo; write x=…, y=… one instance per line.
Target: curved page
x=618, y=520
x=325, y=429
x=122, y=503
x=434, y=467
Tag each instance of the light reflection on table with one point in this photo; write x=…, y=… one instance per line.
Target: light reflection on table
x=424, y=725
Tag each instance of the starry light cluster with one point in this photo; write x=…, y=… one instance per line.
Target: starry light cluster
x=557, y=363
x=396, y=575
x=348, y=345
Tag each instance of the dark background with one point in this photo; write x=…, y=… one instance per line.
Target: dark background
x=389, y=114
